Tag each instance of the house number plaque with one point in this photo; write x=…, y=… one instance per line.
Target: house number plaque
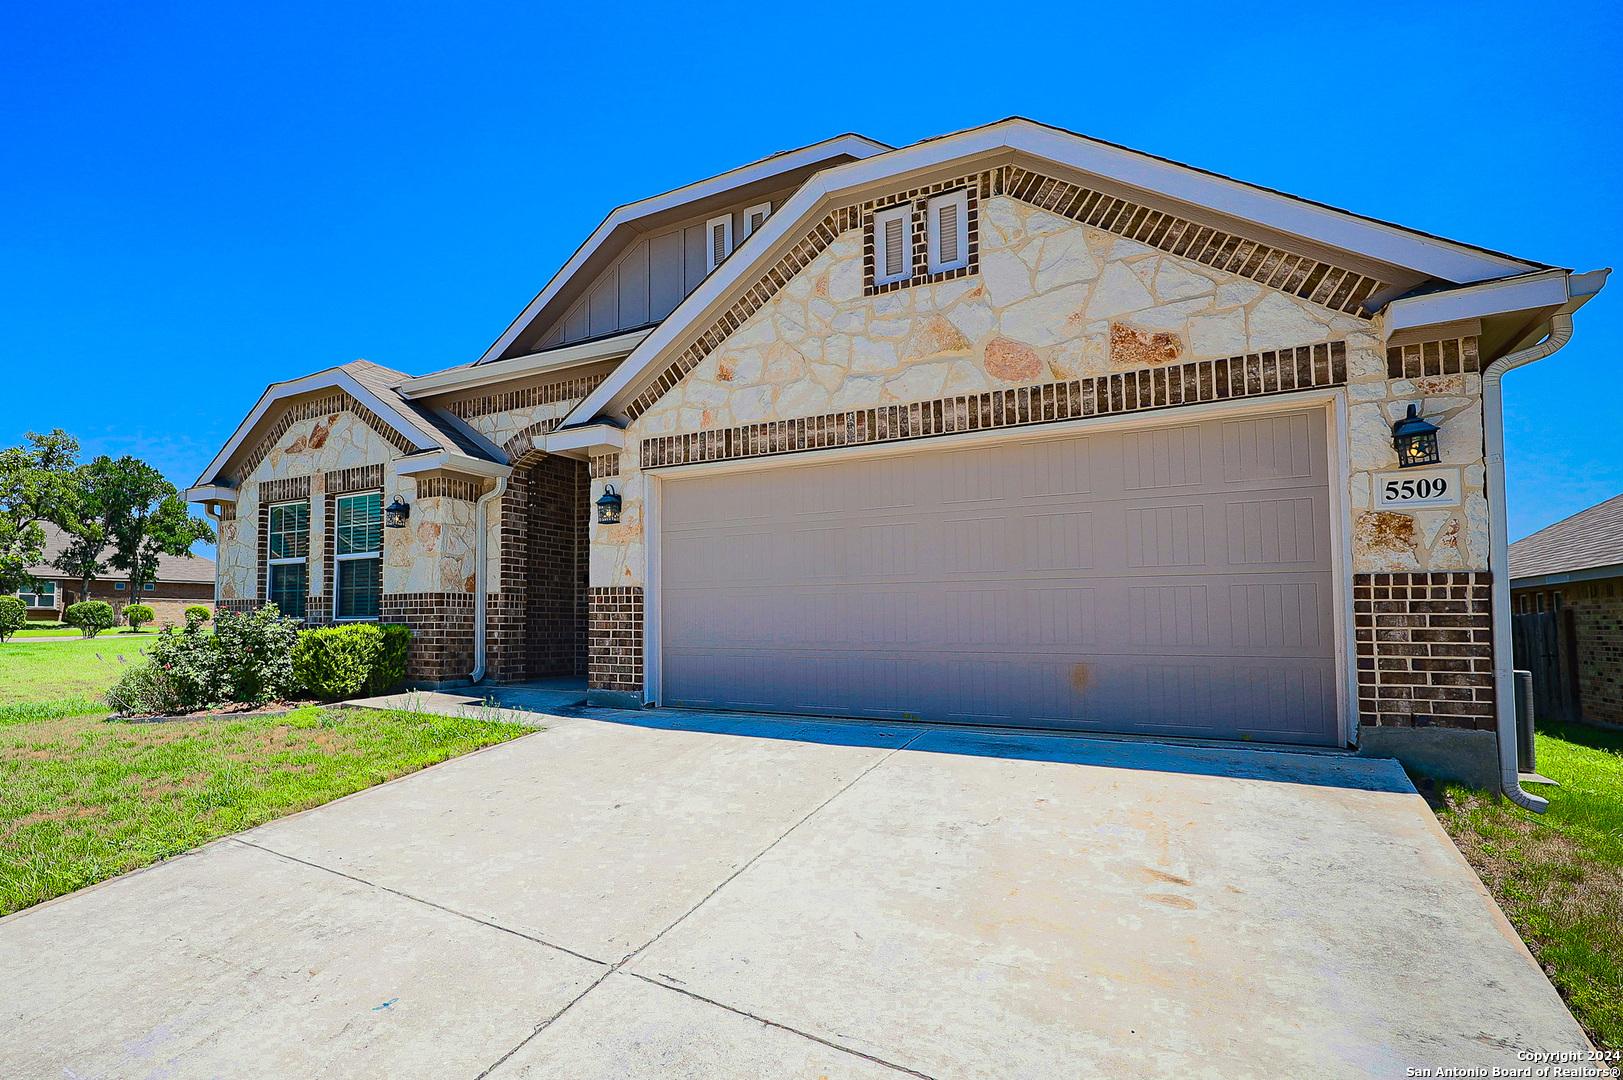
x=1411, y=488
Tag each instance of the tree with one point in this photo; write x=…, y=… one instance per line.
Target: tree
x=102, y=489
x=144, y=518
x=36, y=487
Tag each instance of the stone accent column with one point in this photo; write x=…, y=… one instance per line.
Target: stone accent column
x=615, y=647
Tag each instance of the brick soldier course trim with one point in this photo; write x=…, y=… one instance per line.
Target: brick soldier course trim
x=1425, y=649
x=1318, y=282
x=1451, y=357
x=360, y=478
x=448, y=487
x=1254, y=375
x=574, y=389
x=520, y=448
x=615, y=641
x=289, y=489
x=604, y=465
x=331, y=406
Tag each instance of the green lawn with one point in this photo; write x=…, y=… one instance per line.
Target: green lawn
x=1559, y=876
x=50, y=671
x=83, y=799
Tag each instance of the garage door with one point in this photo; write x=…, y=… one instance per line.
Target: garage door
x=1172, y=580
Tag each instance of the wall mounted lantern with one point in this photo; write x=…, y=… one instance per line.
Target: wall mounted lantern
x=396, y=513
x=608, y=507
x=1415, y=440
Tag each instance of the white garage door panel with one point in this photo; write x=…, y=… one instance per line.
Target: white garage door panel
x=1172, y=580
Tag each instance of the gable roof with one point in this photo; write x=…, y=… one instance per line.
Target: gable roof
x=1405, y=259
x=691, y=200
x=195, y=569
x=1587, y=540
x=414, y=428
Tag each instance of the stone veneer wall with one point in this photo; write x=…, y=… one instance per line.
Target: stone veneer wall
x=615, y=639
x=1425, y=650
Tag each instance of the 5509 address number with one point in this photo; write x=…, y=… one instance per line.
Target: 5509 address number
x=1418, y=487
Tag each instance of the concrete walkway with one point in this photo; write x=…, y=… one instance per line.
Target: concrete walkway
x=677, y=895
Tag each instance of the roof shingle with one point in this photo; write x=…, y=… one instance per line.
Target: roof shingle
x=1588, y=539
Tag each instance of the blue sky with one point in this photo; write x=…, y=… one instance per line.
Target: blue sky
x=197, y=200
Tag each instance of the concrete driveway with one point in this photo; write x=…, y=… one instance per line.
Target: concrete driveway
x=692, y=896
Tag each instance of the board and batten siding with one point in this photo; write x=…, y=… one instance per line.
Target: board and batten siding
x=647, y=282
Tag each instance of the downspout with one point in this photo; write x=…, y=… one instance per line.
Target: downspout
x=219, y=523
x=481, y=544
x=1493, y=437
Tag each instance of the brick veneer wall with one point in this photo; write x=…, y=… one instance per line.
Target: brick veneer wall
x=1597, y=613
x=614, y=633
x=537, y=621
x=441, y=633
x=1425, y=649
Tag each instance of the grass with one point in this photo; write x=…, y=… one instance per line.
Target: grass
x=1559, y=876
x=83, y=799
x=38, y=671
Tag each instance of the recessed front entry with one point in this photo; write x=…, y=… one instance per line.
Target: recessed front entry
x=1174, y=579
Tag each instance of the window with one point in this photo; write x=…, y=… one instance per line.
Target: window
x=893, y=244
x=149, y=586
x=288, y=547
x=1539, y=599
x=947, y=226
x=755, y=217
x=120, y=585
x=358, y=549
x=43, y=596
x=719, y=232
x=1557, y=597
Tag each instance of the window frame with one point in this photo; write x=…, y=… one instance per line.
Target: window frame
x=881, y=249
x=287, y=560
x=764, y=209
x=710, y=260
x=339, y=559
x=25, y=595
x=932, y=228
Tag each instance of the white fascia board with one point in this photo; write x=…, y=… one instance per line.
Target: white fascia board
x=321, y=380
x=1592, y=573
x=589, y=437
x=210, y=493
x=1525, y=293
x=468, y=378
x=450, y=461
x=1385, y=243
x=852, y=145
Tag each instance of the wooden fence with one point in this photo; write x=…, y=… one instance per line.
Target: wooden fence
x=1545, y=643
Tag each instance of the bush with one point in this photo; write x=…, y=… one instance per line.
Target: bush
x=344, y=661
x=145, y=690
x=197, y=613
x=247, y=661
x=137, y=614
x=13, y=616
x=90, y=616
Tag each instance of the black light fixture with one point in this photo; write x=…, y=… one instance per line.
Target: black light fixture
x=396, y=513
x=608, y=507
x=1415, y=440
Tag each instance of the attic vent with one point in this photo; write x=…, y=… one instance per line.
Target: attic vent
x=893, y=247
x=720, y=231
x=947, y=229
x=893, y=244
x=948, y=236
x=755, y=217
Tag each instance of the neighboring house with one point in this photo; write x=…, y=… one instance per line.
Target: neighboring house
x=182, y=581
x=1576, y=566
x=1007, y=427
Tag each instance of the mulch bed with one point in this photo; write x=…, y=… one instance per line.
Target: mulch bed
x=227, y=712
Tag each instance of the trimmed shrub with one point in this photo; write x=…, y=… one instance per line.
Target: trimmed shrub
x=138, y=614
x=344, y=661
x=90, y=616
x=13, y=616
x=197, y=613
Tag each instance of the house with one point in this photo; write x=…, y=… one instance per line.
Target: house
x=1574, y=568
x=1007, y=427
x=182, y=582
